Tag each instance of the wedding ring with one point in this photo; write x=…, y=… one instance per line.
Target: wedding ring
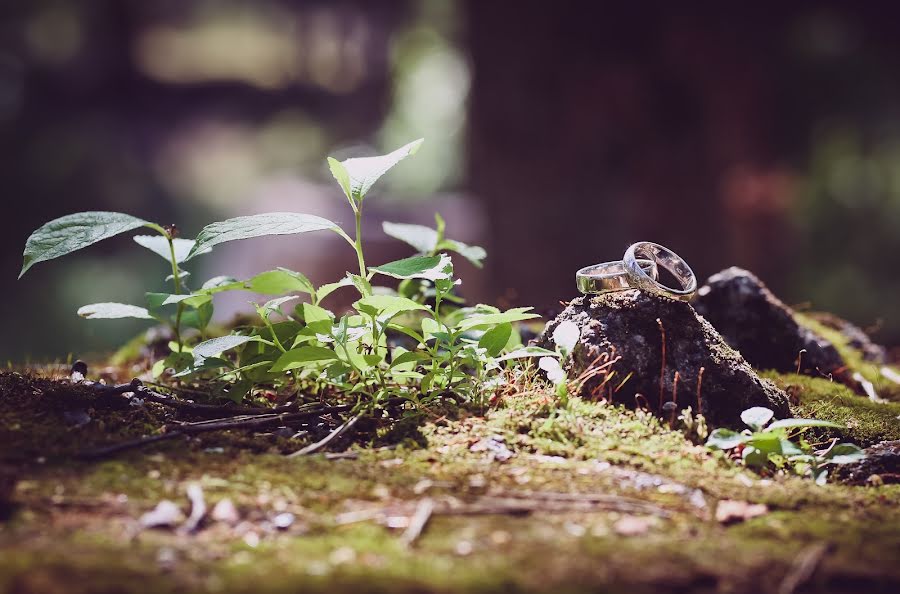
x=666, y=258
x=610, y=276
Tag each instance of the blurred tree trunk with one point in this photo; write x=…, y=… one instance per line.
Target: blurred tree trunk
x=593, y=125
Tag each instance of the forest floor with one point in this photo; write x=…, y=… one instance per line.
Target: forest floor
x=527, y=497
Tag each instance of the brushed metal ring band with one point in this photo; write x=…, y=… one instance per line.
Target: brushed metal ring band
x=610, y=276
x=666, y=258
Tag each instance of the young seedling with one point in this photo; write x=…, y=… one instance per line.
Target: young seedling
x=415, y=343
x=779, y=444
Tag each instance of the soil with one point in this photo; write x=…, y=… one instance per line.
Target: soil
x=527, y=497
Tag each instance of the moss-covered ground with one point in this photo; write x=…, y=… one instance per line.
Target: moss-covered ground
x=528, y=497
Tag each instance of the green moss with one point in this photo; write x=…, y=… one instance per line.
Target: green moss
x=884, y=387
x=76, y=526
x=867, y=422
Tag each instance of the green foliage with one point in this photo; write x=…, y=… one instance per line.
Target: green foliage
x=779, y=445
x=73, y=232
x=415, y=342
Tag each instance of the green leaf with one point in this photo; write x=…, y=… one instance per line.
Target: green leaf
x=725, y=439
x=480, y=320
x=427, y=267
x=73, y=232
x=423, y=239
x=274, y=306
x=387, y=305
x=753, y=458
x=426, y=241
x=792, y=423
x=406, y=360
x=845, y=453
x=768, y=443
x=216, y=346
x=303, y=356
x=342, y=176
x=326, y=290
x=789, y=448
x=357, y=176
x=160, y=245
x=217, y=284
x=553, y=369
x=495, y=339
x=190, y=299
x=259, y=225
x=472, y=253
x=113, y=311
x=529, y=351
x=199, y=317
x=361, y=283
x=756, y=417
x=279, y=282
x=566, y=336
x=318, y=319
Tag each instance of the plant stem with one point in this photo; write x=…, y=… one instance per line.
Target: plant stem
x=177, y=280
x=358, y=244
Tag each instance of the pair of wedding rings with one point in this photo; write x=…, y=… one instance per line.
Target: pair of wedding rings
x=639, y=269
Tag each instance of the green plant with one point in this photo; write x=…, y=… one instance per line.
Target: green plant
x=780, y=445
x=416, y=342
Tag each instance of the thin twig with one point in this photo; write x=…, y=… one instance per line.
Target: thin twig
x=314, y=447
x=662, y=370
x=803, y=568
x=214, y=410
x=251, y=422
x=418, y=521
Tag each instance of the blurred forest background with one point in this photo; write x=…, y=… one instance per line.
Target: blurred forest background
x=764, y=135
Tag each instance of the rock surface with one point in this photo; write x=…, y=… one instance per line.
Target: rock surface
x=880, y=466
x=856, y=336
x=759, y=325
x=624, y=332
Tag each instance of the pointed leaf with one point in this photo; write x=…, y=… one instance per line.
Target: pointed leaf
x=756, y=417
x=495, y=339
x=362, y=173
x=792, y=423
x=725, y=439
x=846, y=453
x=301, y=357
x=423, y=239
x=279, y=282
x=216, y=346
x=529, y=351
x=113, y=311
x=160, y=245
x=513, y=315
x=566, y=336
x=472, y=253
x=554, y=371
x=73, y=232
x=259, y=225
x=387, y=305
x=326, y=290
x=427, y=267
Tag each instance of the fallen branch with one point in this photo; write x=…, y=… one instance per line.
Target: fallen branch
x=141, y=391
x=314, y=447
x=418, y=521
x=803, y=568
x=186, y=429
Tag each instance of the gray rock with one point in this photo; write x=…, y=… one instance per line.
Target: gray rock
x=624, y=330
x=856, y=336
x=755, y=322
x=880, y=466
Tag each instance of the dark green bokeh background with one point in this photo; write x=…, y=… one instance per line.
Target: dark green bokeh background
x=763, y=136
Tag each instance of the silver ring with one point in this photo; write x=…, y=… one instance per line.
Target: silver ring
x=666, y=258
x=610, y=276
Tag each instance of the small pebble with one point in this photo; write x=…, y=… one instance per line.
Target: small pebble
x=283, y=521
